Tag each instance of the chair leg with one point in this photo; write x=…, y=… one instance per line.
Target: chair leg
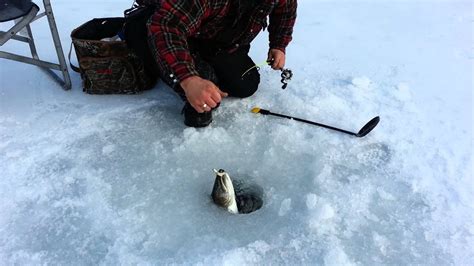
x=31, y=42
x=34, y=54
x=57, y=44
x=65, y=81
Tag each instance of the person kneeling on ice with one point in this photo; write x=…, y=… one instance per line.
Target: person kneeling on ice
x=201, y=48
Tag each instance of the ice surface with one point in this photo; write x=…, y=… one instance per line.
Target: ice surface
x=361, y=83
x=120, y=180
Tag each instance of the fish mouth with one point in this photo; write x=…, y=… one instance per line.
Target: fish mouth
x=219, y=172
x=220, y=180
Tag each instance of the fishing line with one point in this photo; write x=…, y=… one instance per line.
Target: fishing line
x=255, y=66
x=286, y=73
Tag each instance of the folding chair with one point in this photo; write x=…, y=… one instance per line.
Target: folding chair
x=23, y=13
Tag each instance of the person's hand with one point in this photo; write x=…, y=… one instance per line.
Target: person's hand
x=202, y=94
x=276, y=58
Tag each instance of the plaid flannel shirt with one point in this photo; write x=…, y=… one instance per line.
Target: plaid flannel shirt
x=175, y=21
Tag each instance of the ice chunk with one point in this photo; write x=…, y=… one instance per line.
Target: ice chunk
x=108, y=149
x=325, y=212
x=320, y=218
x=311, y=201
x=285, y=207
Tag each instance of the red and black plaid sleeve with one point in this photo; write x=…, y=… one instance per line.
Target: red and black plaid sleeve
x=282, y=20
x=177, y=20
x=169, y=29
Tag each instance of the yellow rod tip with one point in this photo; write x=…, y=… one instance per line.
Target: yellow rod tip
x=255, y=110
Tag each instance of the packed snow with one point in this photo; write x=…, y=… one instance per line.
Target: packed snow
x=119, y=179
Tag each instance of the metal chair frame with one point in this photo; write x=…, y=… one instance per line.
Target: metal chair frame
x=24, y=22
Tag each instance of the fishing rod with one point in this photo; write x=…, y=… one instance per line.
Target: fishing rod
x=286, y=73
x=362, y=132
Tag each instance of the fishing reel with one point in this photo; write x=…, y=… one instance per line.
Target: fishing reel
x=286, y=75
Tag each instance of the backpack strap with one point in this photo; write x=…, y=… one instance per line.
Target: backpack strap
x=73, y=67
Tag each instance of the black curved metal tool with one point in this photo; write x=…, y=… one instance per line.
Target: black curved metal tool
x=366, y=129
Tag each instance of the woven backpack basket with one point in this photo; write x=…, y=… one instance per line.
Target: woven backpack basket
x=108, y=66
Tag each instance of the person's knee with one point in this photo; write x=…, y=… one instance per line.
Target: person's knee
x=246, y=91
x=246, y=87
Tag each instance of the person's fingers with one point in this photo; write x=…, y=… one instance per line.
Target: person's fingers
x=279, y=61
x=205, y=98
x=216, y=94
x=197, y=101
x=198, y=107
x=276, y=63
x=269, y=57
x=276, y=58
x=280, y=64
x=216, y=97
x=204, y=106
x=282, y=61
x=222, y=94
x=272, y=59
x=210, y=104
x=212, y=99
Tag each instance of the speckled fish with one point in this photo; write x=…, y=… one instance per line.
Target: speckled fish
x=235, y=197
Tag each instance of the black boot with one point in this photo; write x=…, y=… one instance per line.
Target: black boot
x=194, y=119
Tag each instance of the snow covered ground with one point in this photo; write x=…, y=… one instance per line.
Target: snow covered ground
x=119, y=179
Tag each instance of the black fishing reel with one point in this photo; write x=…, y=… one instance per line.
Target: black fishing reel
x=286, y=75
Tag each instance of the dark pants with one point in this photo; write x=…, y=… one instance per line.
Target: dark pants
x=224, y=69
